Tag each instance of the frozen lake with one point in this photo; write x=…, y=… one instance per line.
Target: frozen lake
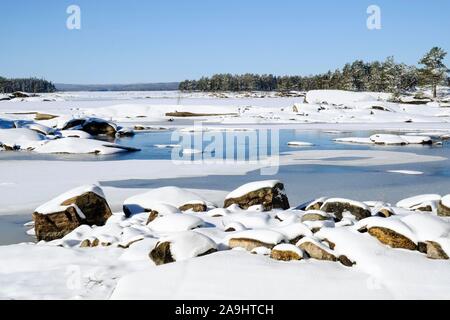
x=303, y=182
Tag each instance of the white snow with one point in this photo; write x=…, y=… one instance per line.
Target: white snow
x=252, y=186
x=175, y=223
x=407, y=172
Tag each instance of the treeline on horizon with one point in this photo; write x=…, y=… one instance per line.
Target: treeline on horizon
x=32, y=85
x=386, y=76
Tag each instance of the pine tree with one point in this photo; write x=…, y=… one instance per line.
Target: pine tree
x=434, y=71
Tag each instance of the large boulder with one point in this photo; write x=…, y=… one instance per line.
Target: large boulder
x=81, y=206
x=182, y=246
x=93, y=126
x=392, y=238
x=338, y=206
x=270, y=194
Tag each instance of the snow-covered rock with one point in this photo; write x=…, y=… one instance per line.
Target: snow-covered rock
x=286, y=252
x=82, y=205
x=173, y=196
x=315, y=249
x=175, y=223
x=270, y=194
x=182, y=246
x=426, y=202
x=20, y=138
x=338, y=206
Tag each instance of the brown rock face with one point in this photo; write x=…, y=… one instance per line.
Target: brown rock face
x=392, y=238
x=443, y=211
x=161, y=254
x=316, y=252
x=248, y=244
x=56, y=225
x=434, y=251
x=284, y=255
x=196, y=207
x=269, y=198
x=96, y=128
x=314, y=217
x=340, y=207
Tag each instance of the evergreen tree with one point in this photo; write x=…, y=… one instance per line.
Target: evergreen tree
x=434, y=71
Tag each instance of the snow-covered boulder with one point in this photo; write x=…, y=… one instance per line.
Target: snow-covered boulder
x=286, y=252
x=293, y=232
x=444, y=206
x=338, y=206
x=251, y=239
x=93, y=126
x=20, y=139
x=316, y=215
x=426, y=202
x=65, y=213
x=173, y=196
x=270, y=194
x=175, y=223
x=182, y=246
x=316, y=249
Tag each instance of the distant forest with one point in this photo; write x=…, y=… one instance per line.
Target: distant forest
x=32, y=85
x=386, y=76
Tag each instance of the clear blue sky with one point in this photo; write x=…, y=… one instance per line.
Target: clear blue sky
x=129, y=41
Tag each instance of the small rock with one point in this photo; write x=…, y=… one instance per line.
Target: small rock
x=434, y=251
